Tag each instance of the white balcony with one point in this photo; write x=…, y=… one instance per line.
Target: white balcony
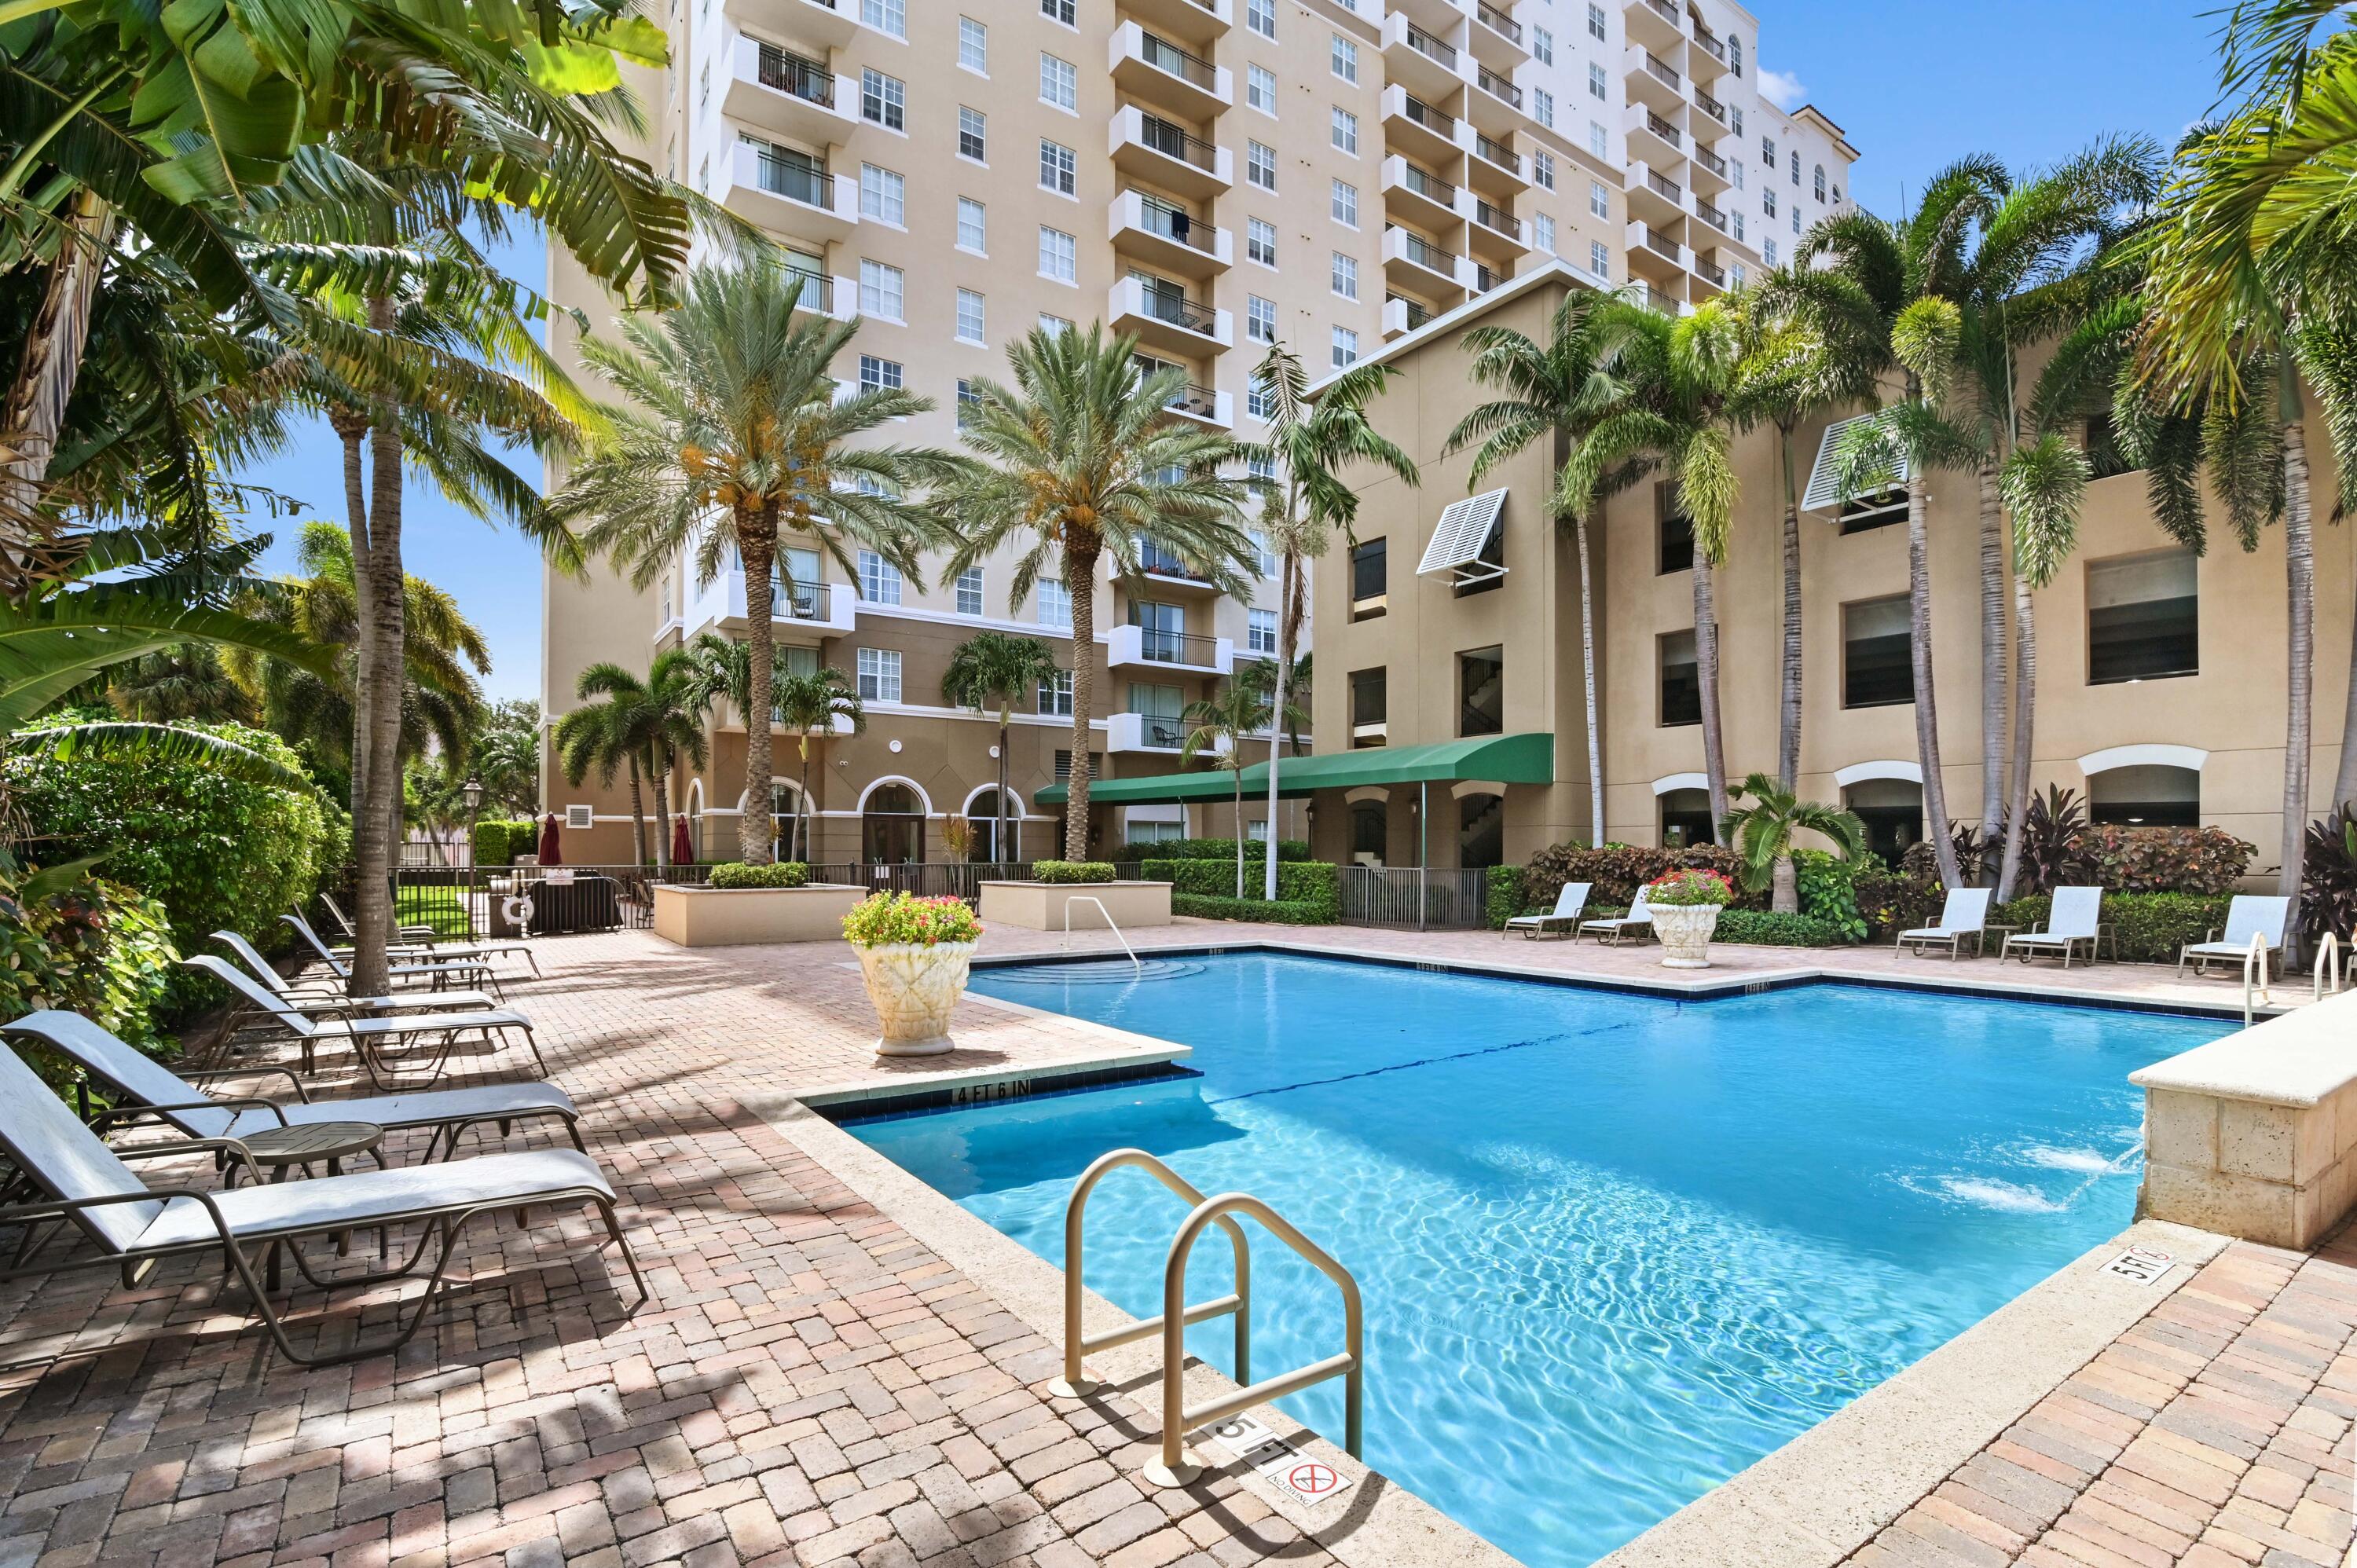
x=1653, y=79
x=1420, y=129
x=785, y=92
x=1429, y=65
x=1170, y=323
x=1156, y=734
x=1134, y=645
x=1163, y=153
x=835, y=297
x=1402, y=317
x=1163, y=72
x=1192, y=21
x=1497, y=40
x=820, y=24
x=1659, y=23
x=1418, y=264
x=1204, y=405
x=1654, y=138
x=1421, y=196
x=1656, y=196
x=779, y=193
x=814, y=610
x=1167, y=237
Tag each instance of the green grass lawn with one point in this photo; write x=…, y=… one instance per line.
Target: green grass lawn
x=440, y=908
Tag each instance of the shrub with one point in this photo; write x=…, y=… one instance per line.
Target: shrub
x=1504, y=895
x=2327, y=895
x=1764, y=928
x=1215, y=849
x=1072, y=871
x=1691, y=887
x=780, y=874
x=2151, y=926
x=1281, y=913
x=1888, y=903
x=1616, y=871
x=1828, y=893
x=2167, y=860
x=96, y=948
x=1314, y=885
x=492, y=844
x=889, y=919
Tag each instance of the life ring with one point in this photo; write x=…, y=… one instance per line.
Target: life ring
x=517, y=910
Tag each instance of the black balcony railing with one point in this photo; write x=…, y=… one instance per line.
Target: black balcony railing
x=1164, y=55
x=1498, y=22
x=1168, y=305
x=1431, y=119
x=1711, y=46
x=818, y=292
x=1710, y=215
x=1497, y=220
x=1662, y=128
x=1431, y=186
x=1174, y=142
x=1161, y=563
x=1665, y=186
x=1659, y=246
x=1497, y=153
x=1177, y=224
x=1417, y=313
x=795, y=178
x=1166, y=731
x=1497, y=86
x=1486, y=278
x=1193, y=398
x=1424, y=44
x=1425, y=253
x=1710, y=106
x=1661, y=71
x=1160, y=647
x=1710, y=160
x=1667, y=12
x=805, y=79
x=1711, y=270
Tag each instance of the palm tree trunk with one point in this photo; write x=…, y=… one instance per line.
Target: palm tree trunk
x=49, y=365
x=1000, y=851
x=806, y=813
x=1787, y=673
x=1587, y=678
x=1784, y=886
x=2024, y=731
x=351, y=430
x=379, y=579
x=1239, y=743
x=756, y=547
x=2299, y=571
x=1285, y=635
x=1080, y=582
x=1927, y=708
x=1992, y=648
x=637, y=818
x=1713, y=752
x=661, y=771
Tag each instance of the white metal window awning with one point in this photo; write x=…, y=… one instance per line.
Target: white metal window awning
x=1824, y=479
x=1460, y=542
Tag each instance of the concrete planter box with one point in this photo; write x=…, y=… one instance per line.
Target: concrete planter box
x=731, y=917
x=1040, y=906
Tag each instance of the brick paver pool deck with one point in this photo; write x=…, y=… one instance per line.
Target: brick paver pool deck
x=812, y=1384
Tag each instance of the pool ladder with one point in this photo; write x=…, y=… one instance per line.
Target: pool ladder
x=1134, y=966
x=1172, y=1469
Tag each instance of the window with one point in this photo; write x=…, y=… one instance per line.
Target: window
x=1795, y=163
x=1734, y=56
x=1543, y=232
x=1056, y=700
x=1673, y=532
x=973, y=230
x=704, y=86
x=1155, y=833
x=1686, y=818
x=1260, y=88
x=974, y=44
x=1734, y=123
x=1260, y=397
x=879, y=580
x=1543, y=45
x=1600, y=200
x=1481, y=691
x=1735, y=216
x=1342, y=59
x=1542, y=168
x=1342, y=202
x=883, y=195
x=1370, y=575
x=1059, y=82
x=1768, y=251
x=1767, y=201
x=1599, y=141
x=1059, y=255
x=973, y=135
x=879, y=674
x=1600, y=259
x=1055, y=326
x=1344, y=275
x=1261, y=470
x=877, y=374
x=969, y=591
x=1260, y=319
x=1259, y=17
x=1370, y=704
x=1817, y=182
x=1260, y=243
x=1768, y=151
x=1796, y=222
x=1681, y=687
x=885, y=17
x=1260, y=632
x=2143, y=617
x=879, y=290
x=1878, y=663
x=968, y=400
x=1260, y=164
x=1058, y=11
x=1343, y=129
x=969, y=316
x=1596, y=23
x=884, y=99
x=1064, y=765
x=1344, y=347
x=2152, y=795
x=1055, y=603
x=1543, y=107
x=1596, y=80
x=1264, y=559
x=1059, y=166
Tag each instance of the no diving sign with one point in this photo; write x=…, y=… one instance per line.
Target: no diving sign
x=1255, y=1442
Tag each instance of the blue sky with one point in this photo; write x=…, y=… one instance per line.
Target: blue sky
x=1914, y=85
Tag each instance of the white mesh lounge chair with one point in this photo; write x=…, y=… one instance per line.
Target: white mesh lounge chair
x=148, y=1088
x=324, y=993
x=134, y=1226
x=438, y=972
x=1965, y=914
x=415, y=935
x=2247, y=916
x=1564, y=917
x=2074, y=921
x=432, y=943
x=434, y=1034
x=1612, y=930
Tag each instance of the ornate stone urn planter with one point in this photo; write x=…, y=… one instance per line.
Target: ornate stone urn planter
x=1684, y=934
x=914, y=988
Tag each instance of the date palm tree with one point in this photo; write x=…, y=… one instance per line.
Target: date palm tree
x=735, y=435
x=1309, y=444
x=1555, y=391
x=1763, y=832
x=1081, y=463
x=1218, y=725
x=808, y=706
x=994, y=670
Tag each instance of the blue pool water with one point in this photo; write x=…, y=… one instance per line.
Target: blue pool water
x=1613, y=1248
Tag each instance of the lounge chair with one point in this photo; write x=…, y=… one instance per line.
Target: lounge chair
x=1610, y=929
x=334, y=1022
x=439, y=973
x=415, y=935
x=432, y=941
x=134, y=1226
x=1965, y=914
x=308, y=992
x=1566, y=917
x=148, y=1088
x=2075, y=918
x=2247, y=916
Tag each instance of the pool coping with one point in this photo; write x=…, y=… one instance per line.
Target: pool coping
x=1810, y=1503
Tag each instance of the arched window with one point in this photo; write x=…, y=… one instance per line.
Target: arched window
x=1892, y=810
x=1481, y=832
x=1685, y=818
x=892, y=826
x=2145, y=795
x=1370, y=832
x=982, y=816
x=789, y=826
x=1818, y=180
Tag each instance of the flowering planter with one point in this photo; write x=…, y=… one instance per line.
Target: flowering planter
x=914, y=987
x=1684, y=931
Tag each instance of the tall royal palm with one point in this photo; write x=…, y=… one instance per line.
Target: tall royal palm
x=1309, y=444
x=733, y=439
x=992, y=670
x=809, y=707
x=1217, y=726
x=1080, y=462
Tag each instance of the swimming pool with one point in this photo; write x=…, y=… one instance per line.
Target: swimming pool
x=1613, y=1247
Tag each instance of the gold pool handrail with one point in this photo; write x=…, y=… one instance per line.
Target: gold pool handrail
x=1075, y=1382
x=1173, y=1470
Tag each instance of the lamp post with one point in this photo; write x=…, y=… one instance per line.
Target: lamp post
x=472, y=794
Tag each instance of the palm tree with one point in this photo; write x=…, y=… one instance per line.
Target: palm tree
x=1080, y=462
x=1309, y=445
x=1762, y=833
x=740, y=436
x=809, y=705
x=1555, y=390
x=1218, y=724
x=608, y=732
x=179, y=684
x=994, y=670
x=671, y=720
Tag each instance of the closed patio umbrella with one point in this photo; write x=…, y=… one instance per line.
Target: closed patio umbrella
x=682, y=852
x=550, y=852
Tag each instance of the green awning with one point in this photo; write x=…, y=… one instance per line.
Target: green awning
x=1526, y=759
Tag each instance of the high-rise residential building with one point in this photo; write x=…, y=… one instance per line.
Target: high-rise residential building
x=1212, y=176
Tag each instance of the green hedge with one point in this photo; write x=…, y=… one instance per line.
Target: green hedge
x=96, y=948
x=2151, y=926
x=1315, y=886
x=737, y=873
x=1894, y=901
x=1215, y=849
x=1763, y=928
x=1504, y=898
x=1283, y=912
x=1829, y=896
x=499, y=842
x=1072, y=872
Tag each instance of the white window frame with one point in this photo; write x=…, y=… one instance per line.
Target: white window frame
x=1342, y=275
x=891, y=96
x=1260, y=632
x=1342, y=130
x=1260, y=236
x=883, y=291
x=973, y=46
x=970, y=317
x=1260, y=319
x=883, y=195
x=1260, y=164
x=1342, y=59
x=1060, y=83
x=1342, y=203
x=1060, y=255
x=880, y=582
x=1054, y=601
x=879, y=675
x=889, y=17
x=980, y=211
x=1059, y=168
x=1260, y=89
x=969, y=590
x=972, y=121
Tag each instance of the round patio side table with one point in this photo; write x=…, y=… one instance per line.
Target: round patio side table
x=279, y=1149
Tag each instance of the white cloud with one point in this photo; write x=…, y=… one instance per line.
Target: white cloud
x=1783, y=89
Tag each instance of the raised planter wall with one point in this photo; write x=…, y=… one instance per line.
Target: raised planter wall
x=1040, y=906
x=2256, y=1135
x=733, y=917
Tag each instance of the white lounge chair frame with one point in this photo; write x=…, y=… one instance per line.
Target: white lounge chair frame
x=327, y=993
x=1610, y=930
x=341, y=1022
x=2248, y=915
x=472, y=948
x=1964, y=913
x=2075, y=915
x=1568, y=905
x=437, y=972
